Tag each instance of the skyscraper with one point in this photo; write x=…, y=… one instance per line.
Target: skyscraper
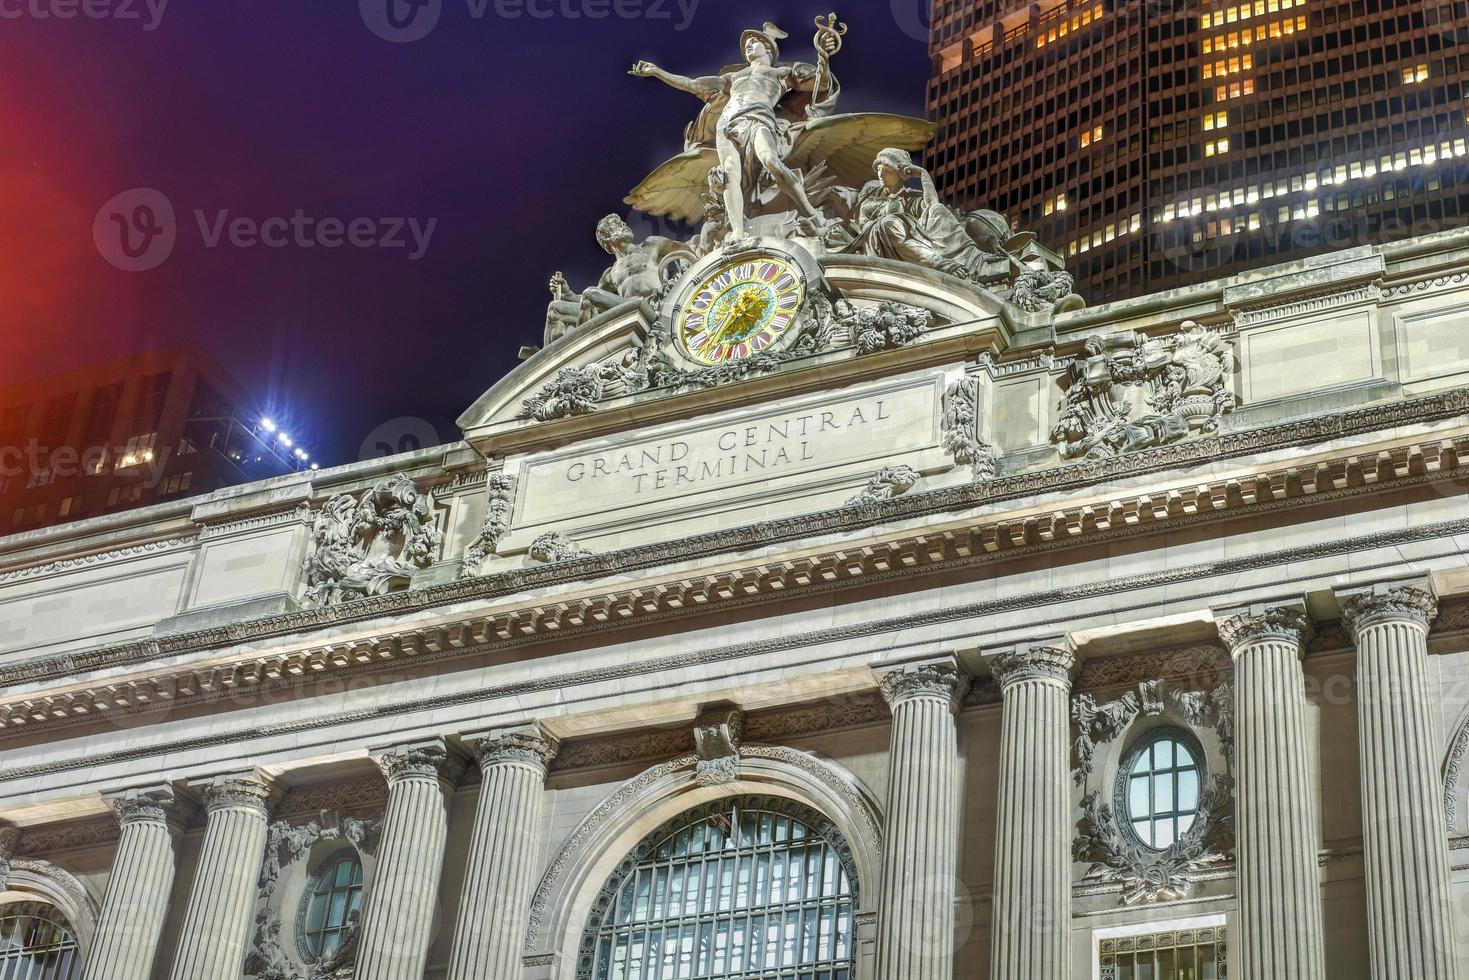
x=146, y=429
x=1160, y=144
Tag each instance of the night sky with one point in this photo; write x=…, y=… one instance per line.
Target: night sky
x=516, y=133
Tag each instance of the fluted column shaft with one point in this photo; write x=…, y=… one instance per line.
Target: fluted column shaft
x=1404, y=837
x=495, y=904
x=1032, y=893
x=398, y=917
x=131, y=920
x=1280, y=931
x=915, y=930
x=222, y=899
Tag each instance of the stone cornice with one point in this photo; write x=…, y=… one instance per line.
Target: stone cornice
x=1401, y=603
x=97, y=558
x=1000, y=534
x=694, y=660
x=1285, y=624
x=935, y=550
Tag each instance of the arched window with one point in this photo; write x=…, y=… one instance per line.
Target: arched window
x=336, y=894
x=36, y=943
x=755, y=888
x=1159, y=787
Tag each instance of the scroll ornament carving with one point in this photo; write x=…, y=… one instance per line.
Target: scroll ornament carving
x=961, y=429
x=1034, y=663
x=496, y=524
x=340, y=565
x=247, y=792
x=885, y=484
x=1362, y=610
x=531, y=748
x=1115, y=856
x=146, y=806
x=884, y=326
x=573, y=391
x=285, y=844
x=1045, y=291
x=941, y=680
x=420, y=762
x=1182, y=381
x=717, y=736
x=553, y=546
x=1285, y=623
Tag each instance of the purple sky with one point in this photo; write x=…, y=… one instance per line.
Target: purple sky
x=515, y=133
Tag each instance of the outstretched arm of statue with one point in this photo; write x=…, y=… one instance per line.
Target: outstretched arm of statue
x=705, y=88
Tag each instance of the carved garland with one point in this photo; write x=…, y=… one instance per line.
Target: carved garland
x=286, y=843
x=1146, y=875
x=961, y=429
x=498, y=506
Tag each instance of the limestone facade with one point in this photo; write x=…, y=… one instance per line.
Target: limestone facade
x=930, y=604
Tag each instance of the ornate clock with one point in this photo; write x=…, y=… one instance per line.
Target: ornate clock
x=741, y=306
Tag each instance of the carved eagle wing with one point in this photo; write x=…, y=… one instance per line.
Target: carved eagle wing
x=677, y=187
x=848, y=143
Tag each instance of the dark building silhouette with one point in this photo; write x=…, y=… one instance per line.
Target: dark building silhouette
x=147, y=429
x=1159, y=144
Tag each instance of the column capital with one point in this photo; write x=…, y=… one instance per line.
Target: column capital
x=940, y=679
x=151, y=804
x=1366, y=607
x=1055, y=662
x=1286, y=623
x=528, y=745
x=426, y=759
x=239, y=791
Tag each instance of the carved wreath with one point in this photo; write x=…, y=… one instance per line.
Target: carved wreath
x=1104, y=840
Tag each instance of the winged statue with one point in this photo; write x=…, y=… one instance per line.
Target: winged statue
x=767, y=140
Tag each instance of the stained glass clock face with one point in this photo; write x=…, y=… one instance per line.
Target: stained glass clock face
x=740, y=309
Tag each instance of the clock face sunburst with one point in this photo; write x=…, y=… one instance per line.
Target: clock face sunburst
x=741, y=308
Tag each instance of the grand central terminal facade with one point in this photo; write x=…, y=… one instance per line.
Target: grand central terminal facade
x=833, y=596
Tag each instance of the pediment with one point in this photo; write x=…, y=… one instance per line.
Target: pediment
x=885, y=317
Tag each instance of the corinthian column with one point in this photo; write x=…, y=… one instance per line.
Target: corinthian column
x=222, y=899
x=131, y=921
x=398, y=920
x=1404, y=837
x=1280, y=932
x=501, y=876
x=915, y=929
x=1032, y=903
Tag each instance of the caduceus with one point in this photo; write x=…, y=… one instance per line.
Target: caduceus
x=828, y=41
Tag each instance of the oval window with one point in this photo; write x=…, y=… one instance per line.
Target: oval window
x=1160, y=788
